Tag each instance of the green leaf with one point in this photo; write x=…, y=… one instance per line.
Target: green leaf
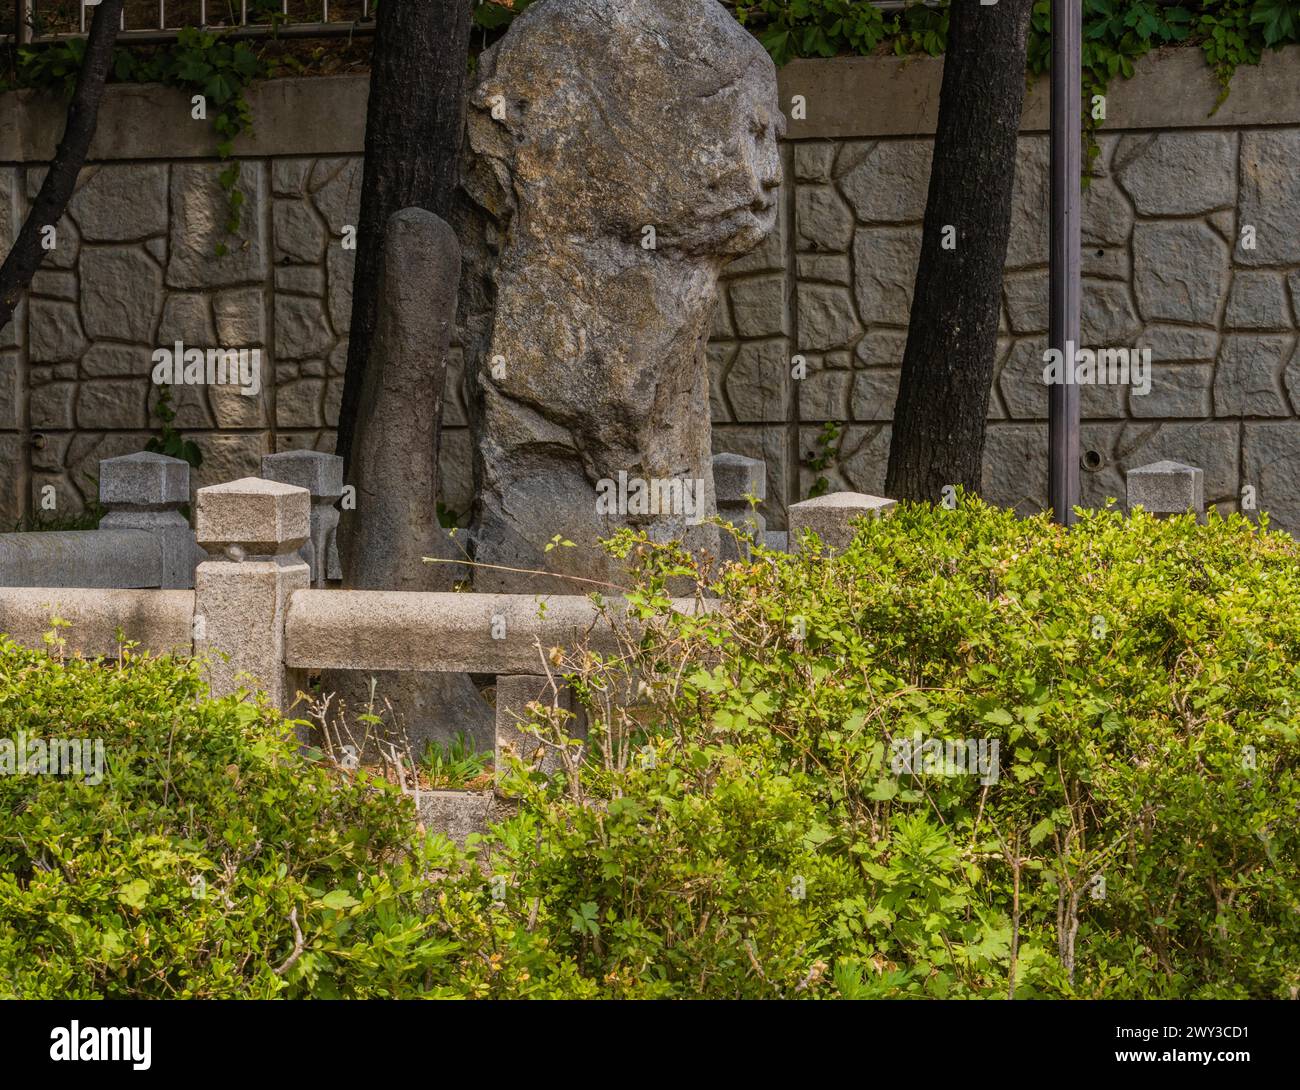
x=338, y=900
x=1041, y=832
x=133, y=894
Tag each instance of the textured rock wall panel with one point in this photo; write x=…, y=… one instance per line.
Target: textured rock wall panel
x=1165, y=267
x=1168, y=265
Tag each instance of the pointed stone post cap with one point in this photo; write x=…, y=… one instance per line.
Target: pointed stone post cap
x=320, y=473
x=144, y=482
x=831, y=517
x=253, y=517
x=1166, y=488
x=735, y=477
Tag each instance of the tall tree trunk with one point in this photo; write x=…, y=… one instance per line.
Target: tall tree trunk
x=939, y=419
x=414, y=124
x=83, y=113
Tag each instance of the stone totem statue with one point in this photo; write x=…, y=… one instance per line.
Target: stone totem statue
x=620, y=153
x=394, y=524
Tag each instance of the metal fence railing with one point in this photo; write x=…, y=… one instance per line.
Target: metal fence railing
x=154, y=21
x=148, y=21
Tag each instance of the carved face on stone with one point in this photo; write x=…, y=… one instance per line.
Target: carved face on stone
x=606, y=117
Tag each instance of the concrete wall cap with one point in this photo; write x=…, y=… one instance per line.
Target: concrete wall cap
x=1164, y=468
x=1165, y=487
x=846, y=500
x=833, y=517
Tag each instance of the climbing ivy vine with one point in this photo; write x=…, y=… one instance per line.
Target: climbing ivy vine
x=199, y=62
x=1116, y=32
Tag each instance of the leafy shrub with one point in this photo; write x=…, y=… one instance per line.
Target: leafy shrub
x=751, y=836
x=740, y=828
x=207, y=850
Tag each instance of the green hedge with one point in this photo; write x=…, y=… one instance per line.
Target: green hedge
x=745, y=830
x=210, y=844
x=1139, y=676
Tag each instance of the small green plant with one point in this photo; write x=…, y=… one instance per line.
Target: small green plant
x=169, y=441
x=455, y=765
x=499, y=14
x=827, y=451
x=816, y=28
x=448, y=517
x=200, y=62
x=85, y=519
x=55, y=66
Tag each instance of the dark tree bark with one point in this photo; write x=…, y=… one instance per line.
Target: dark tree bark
x=83, y=112
x=414, y=126
x=939, y=418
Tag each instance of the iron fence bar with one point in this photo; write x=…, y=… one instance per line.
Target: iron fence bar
x=24, y=16
x=248, y=33
x=323, y=29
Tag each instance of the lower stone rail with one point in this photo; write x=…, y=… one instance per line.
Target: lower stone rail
x=439, y=632
x=159, y=620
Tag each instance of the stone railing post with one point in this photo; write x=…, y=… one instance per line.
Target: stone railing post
x=252, y=530
x=735, y=479
x=146, y=492
x=322, y=475
x=1167, y=488
x=831, y=517
x=514, y=693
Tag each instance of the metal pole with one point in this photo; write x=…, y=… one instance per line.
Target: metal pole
x=1065, y=258
x=22, y=21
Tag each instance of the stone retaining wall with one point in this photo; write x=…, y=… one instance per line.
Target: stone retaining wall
x=135, y=269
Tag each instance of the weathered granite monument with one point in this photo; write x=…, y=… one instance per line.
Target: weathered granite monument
x=620, y=153
x=392, y=528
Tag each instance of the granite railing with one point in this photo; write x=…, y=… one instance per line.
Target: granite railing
x=143, y=539
x=258, y=622
x=248, y=586
x=250, y=581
